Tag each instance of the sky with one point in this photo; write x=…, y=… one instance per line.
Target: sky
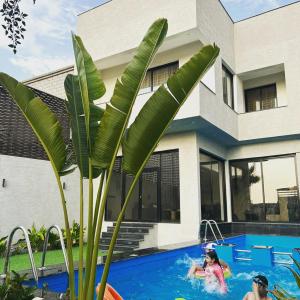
x=47, y=45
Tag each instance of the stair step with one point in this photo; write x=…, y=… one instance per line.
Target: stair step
x=125, y=242
x=122, y=235
x=121, y=248
x=130, y=229
x=134, y=224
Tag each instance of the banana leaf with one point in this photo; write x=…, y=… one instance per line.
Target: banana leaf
x=89, y=79
x=159, y=111
x=125, y=93
x=296, y=276
x=76, y=114
x=48, y=131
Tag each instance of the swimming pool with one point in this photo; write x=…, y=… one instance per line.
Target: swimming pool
x=162, y=276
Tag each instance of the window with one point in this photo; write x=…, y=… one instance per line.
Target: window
x=265, y=189
x=156, y=195
x=227, y=79
x=261, y=98
x=213, y=204
x=157, y=76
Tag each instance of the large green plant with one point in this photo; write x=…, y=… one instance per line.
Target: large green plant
x=13, y=289
x=97, y=134
x=37, y=237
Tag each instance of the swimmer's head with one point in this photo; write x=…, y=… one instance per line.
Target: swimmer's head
x=211, y=257
x=261, y=280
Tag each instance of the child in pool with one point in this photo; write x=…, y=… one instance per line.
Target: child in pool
x=194, y=268
x=214, y=277
x=259, y=289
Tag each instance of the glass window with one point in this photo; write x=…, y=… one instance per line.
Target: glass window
x=281, y=191
x=157, y=76
x=113, y=206
x=227, y=79
x=156, y=195
x=265, y=190
x=261, y=98
x=247, y=191
x=212, y=188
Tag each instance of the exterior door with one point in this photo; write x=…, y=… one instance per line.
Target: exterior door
x=144, y=203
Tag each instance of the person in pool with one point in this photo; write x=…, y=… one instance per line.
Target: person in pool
x=259, y=289
x=214, y=276
x=210, y=247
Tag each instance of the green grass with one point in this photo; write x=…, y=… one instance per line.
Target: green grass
x=21, y=262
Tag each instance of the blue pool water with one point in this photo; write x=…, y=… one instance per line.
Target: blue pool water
x=162, y=276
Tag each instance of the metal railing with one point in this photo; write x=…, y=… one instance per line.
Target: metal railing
x=63, y=248
x=209, y=223
x=7, y=255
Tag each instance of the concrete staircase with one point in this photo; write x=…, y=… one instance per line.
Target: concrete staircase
x=132, y=236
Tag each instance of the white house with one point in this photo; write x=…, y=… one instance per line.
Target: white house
x=232, y=154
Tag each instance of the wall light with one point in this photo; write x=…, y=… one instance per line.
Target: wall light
x=3, y=182
x=64, y=186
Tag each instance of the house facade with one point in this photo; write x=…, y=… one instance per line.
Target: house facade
x=233, y=152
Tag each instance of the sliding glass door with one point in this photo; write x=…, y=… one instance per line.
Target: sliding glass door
x=265, y=189
x=213, y=205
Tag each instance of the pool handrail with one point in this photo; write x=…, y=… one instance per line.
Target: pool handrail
x=7, y=255
x=63, y=248
x=209, y=223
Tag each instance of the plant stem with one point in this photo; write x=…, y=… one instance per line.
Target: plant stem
x=69, y=242
x=96, y=210
x=89, y=248
x=91, y=291
x=115, y=235
x=81, y=222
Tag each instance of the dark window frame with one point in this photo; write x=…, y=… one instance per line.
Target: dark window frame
x=220, y=160
x=152, y=70
x=159, y=200
x=230, y=74
x=260, y=159
x=260, y=100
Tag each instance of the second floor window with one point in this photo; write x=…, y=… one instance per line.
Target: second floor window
x=227, y=79
x=261, y=98
x=157, y=76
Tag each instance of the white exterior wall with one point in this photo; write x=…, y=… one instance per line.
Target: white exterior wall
x=267, y=40
x=52, y=84
x=31, y=194
x=104, y=38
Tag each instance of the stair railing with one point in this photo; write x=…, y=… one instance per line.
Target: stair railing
x=8, y=249
x=209, y=223
x=63, y=248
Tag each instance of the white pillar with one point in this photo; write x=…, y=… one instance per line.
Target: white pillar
x=228, y=191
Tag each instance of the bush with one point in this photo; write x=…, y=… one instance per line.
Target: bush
x=12, y=289
x=37, y=237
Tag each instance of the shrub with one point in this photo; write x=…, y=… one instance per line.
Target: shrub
x=37, y=237
x=13, y=289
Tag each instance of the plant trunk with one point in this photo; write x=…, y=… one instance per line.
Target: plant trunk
x=81, y=236
x=89, y=249
x=114, y=238
x=69, y=242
